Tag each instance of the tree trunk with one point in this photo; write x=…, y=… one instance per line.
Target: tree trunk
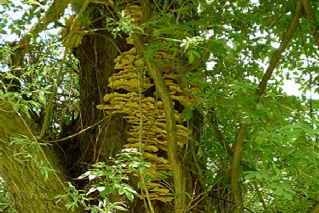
x=26, y=166
x=96, y=55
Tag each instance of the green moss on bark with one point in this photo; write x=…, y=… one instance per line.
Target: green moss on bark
x=27, y=168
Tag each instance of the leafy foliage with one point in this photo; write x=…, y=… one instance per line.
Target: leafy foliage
x=108, y=188
x=5, y=204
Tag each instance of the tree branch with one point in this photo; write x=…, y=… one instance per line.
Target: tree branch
x=176, y=166
x=235, y=168
x=79, y=132
x=277, y=54
x=238, y=146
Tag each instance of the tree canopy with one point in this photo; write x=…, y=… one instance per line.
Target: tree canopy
x=159, y=106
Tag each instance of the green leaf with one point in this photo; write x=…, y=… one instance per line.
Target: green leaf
x=187, y=114
x=120, y=207
x=129, y=195
x=192, y=55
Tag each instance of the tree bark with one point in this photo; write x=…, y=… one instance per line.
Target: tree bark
x=96, y=55
x=315, y=209
x=25, y=165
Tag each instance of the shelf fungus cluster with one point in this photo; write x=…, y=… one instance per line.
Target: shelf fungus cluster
x=146, y=117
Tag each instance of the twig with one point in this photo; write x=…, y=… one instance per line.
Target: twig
x=79, y=132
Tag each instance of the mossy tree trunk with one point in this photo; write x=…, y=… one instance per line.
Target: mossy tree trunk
x=26, y=166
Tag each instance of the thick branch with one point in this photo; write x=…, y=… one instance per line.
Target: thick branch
x=235, y=170
x=179, y=180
